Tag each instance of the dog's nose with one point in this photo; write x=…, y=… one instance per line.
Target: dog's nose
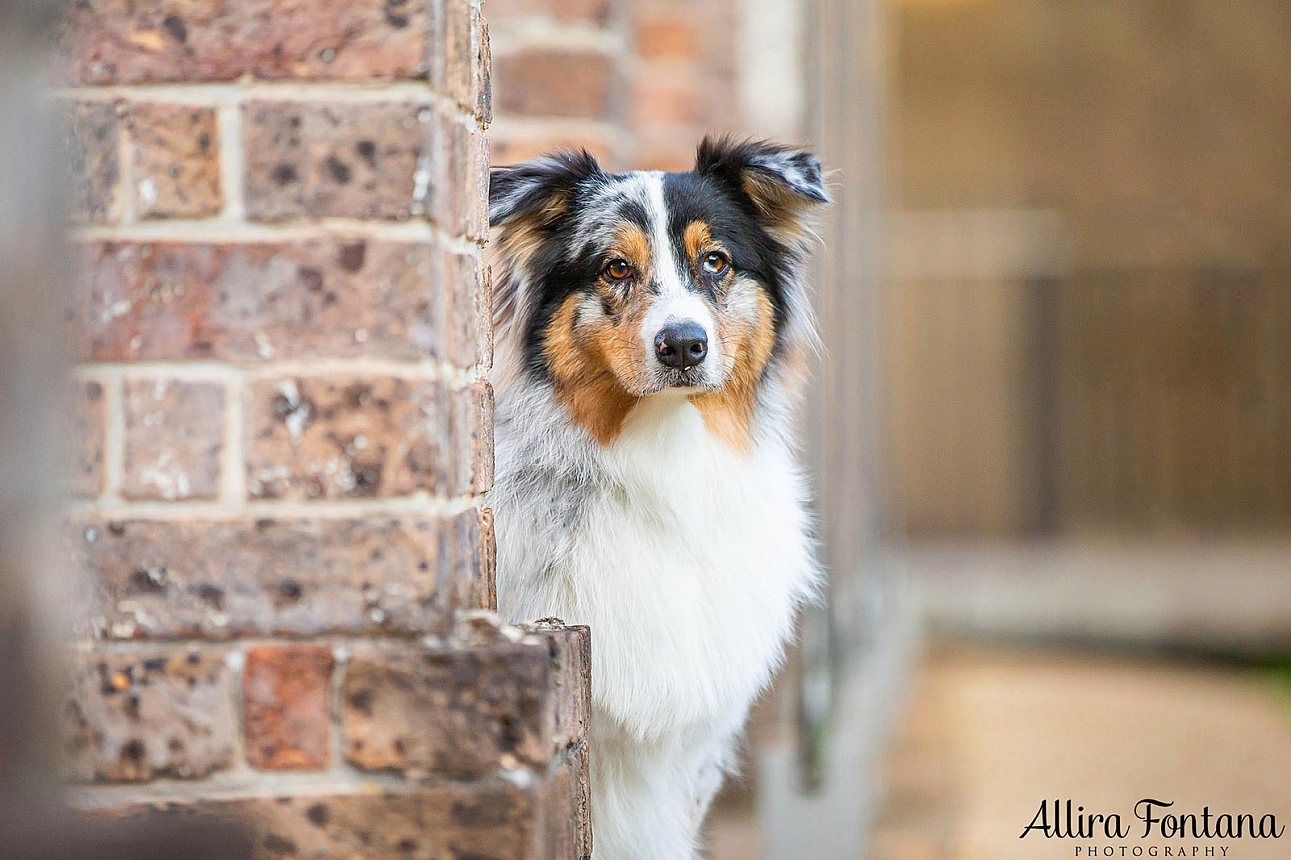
x=681, y=345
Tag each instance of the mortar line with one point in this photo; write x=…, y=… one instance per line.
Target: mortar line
x=418, y=504
x=125, y=162
x=233, y=92
x=427, y=370
x=233, y=490
x=229, y=117
x=236, y=661
x=224, y=229
x=113, y=436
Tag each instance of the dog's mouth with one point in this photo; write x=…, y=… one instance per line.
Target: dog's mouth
x=693, y=377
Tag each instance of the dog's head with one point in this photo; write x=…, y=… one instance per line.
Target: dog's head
x=618, y=286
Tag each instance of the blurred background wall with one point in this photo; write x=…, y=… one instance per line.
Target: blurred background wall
x=1087, y=294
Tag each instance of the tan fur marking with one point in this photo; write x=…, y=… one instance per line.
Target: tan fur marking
x=585, y=365
x=782, y=210
x=697, y=237
x=728, y=414
x=632, y=244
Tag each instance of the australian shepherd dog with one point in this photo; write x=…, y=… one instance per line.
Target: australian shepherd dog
x=654, y=332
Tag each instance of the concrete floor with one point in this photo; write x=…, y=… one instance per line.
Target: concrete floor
x=990, y=732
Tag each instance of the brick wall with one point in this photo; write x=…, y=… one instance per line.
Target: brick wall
x=683, y=85
x=284, y=426
x=636, y=82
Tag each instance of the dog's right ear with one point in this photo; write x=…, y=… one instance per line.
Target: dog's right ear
x=538, y=190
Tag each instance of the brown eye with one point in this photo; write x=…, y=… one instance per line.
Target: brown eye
x=617, y=270
x=716, y=263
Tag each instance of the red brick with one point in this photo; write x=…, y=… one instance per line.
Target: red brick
x=144, y=41
x=492, y=819
x=449, y=711
x=674, y=38
x=174, y=434
x=471, y=333
x=89, y=432
x=553, y=83
x=328, y=438
x=454, y=51
x=149, y=713
x=460, y=204
x=285, y=710
x=510, y=147
x=176, y=161
x=94, y=148
x=340, y=159
x=668, y=100
x=336, y=298
x=220, y=579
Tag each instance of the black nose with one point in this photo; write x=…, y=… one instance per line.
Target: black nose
x=681, y=345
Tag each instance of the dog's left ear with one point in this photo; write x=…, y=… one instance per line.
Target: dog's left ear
x=783, y=185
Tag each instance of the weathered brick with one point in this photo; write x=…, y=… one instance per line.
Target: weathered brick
x=493, y=819
x=488, y=559
x=154, y=712
x=466, y=297
x=220, y=579
x=553, y=83
x=566, y=806
x=483, y=73
x=342, y=159
x=174, y=434
x=90, y=430
x=284, y=701
x=463, y=560
x=327, y=438
x=448, y=711
x=335, y=298
x=95, y=162
x=480, y=426
x=143, y=41
x=454, y=51
x=570, y=650
x=176, y=160
x=484, y=318
x=460, y=204
x=477, y=186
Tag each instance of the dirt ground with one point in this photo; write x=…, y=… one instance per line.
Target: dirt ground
x=991, y=732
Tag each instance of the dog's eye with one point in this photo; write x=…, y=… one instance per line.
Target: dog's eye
x=716, y=263
x=617, y=270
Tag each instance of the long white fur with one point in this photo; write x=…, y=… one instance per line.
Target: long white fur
x=686, y=557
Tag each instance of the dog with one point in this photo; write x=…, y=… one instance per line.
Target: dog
x=653, y=337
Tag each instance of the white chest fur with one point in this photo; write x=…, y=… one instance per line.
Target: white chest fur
x=687, y=558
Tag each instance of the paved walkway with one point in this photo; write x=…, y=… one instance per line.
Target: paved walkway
x=990, y=733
